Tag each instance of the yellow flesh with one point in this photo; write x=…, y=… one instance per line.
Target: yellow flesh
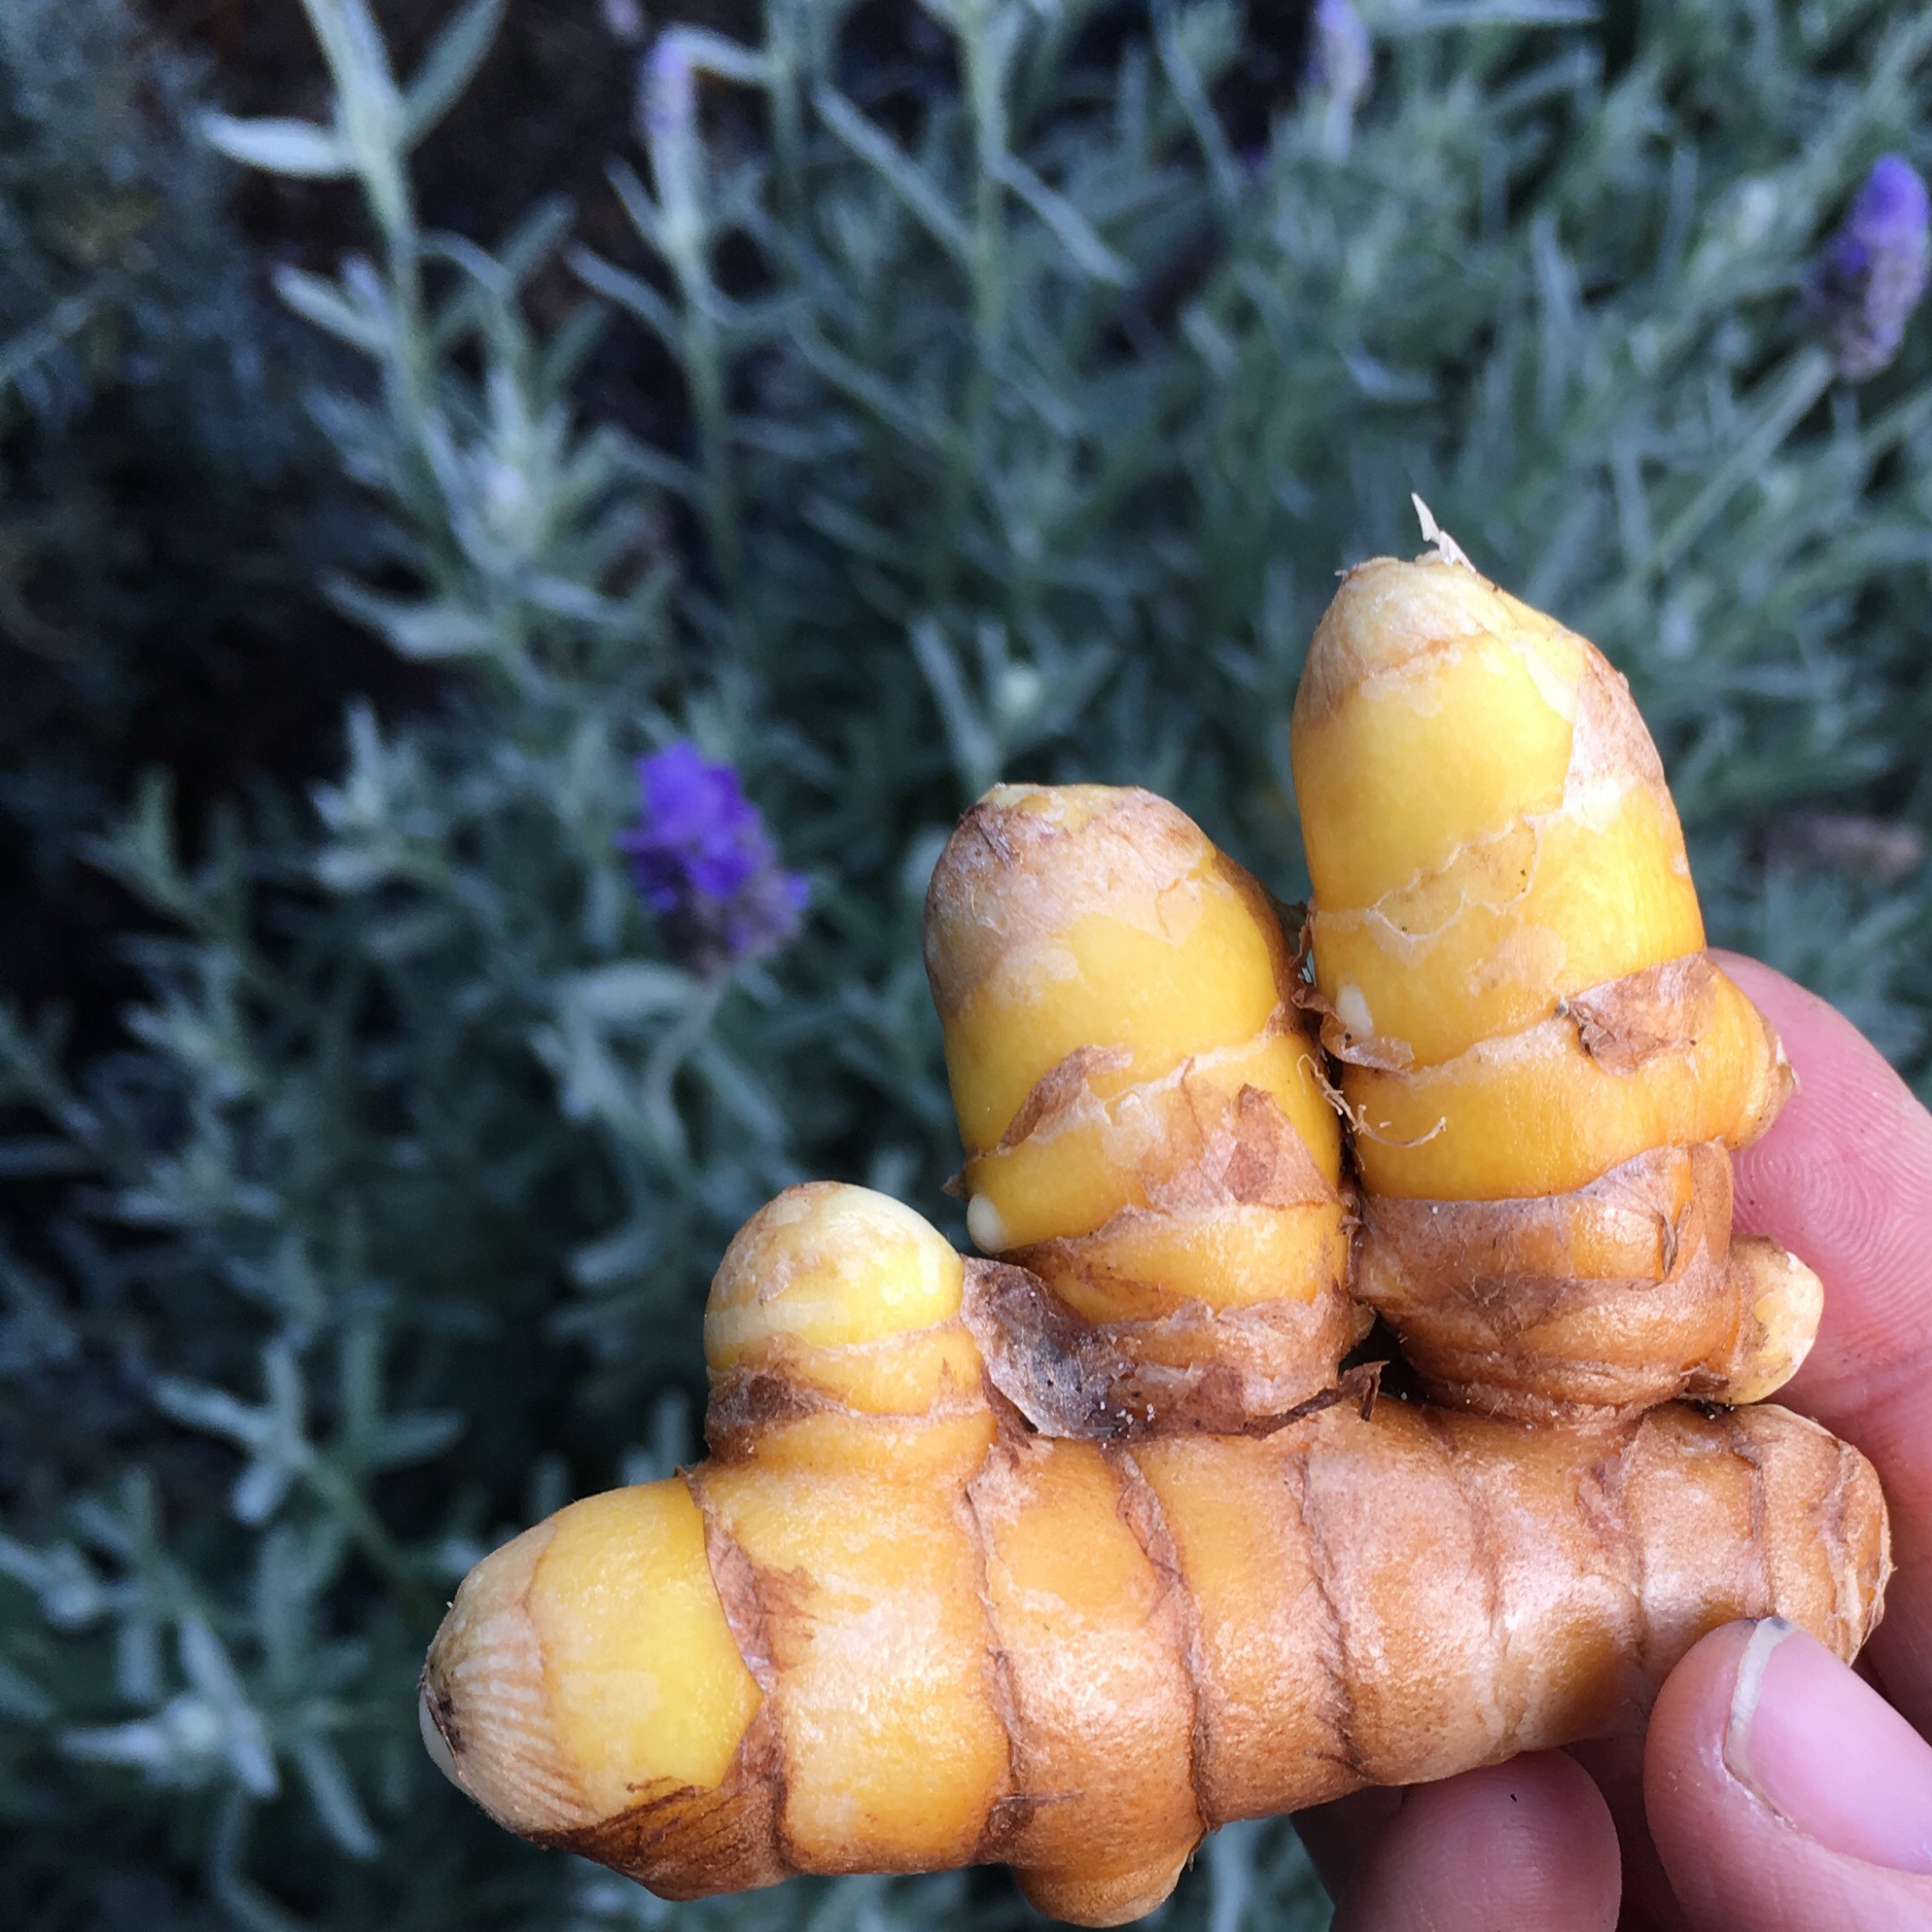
x=1224, y=1256
x=1517, y=920
x=646, y=1689
x=849, y=1293
x=896, y=1752
x=900, y=1447
x=1476, y=864
x=1106, y=1704
x=1206, y=981
x=855, y=1266
x=898, y=1375
x=1071, y=1178
x=1237, y=1529
x=1129, y=1082
x=1535, y=1114
x=1416, y=762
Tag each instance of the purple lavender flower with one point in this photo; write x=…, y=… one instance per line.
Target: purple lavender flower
x=1872, y=272
x=706, y=866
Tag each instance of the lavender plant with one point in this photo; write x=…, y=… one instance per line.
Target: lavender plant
x=1026, y=409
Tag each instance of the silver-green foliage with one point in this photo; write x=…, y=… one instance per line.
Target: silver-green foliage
x=1029, y=444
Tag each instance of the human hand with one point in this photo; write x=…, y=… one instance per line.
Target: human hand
x=1776, y=1790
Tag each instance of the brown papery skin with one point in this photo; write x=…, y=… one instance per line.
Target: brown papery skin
x=1555, y=1310
x=1276, y=1622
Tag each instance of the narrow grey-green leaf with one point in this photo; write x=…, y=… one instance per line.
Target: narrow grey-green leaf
x=896, y=168
x=450, y=65
x=336, y=1801
x=1075, y=232
x=429, y=629
x=299, y=148
x=317, y=300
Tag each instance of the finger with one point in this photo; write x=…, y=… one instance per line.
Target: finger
x=1845, y=1180
x=1527, y=1844
x=1338, y=1835
x=1616, y=1764
x=1786, y=1795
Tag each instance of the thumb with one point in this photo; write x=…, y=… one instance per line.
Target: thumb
x=1784, y=1793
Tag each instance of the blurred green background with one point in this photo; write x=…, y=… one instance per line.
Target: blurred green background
x=887, y=399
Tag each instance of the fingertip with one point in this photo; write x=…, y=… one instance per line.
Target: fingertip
x=1844, y=1179
x=1617, y=1766
x=1848, y=1095
x=1338, y=1835
x=1529, y=1844
x=1684, y=1741
x=1781, y=1793
x=1777, y=995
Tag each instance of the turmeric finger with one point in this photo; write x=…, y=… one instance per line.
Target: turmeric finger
x=883, y=1630
x=1141, y=1103
x=1544, y=1068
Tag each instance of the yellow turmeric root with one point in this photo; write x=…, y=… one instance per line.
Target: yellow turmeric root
x=1143, y=1111
x=885, y=1629
x=1543, y=1068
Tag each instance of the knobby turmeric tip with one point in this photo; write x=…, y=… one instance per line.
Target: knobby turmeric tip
x=1142, y=1103
x=1543, y=1070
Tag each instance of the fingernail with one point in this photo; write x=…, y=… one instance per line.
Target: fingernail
x=1828, y=1753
